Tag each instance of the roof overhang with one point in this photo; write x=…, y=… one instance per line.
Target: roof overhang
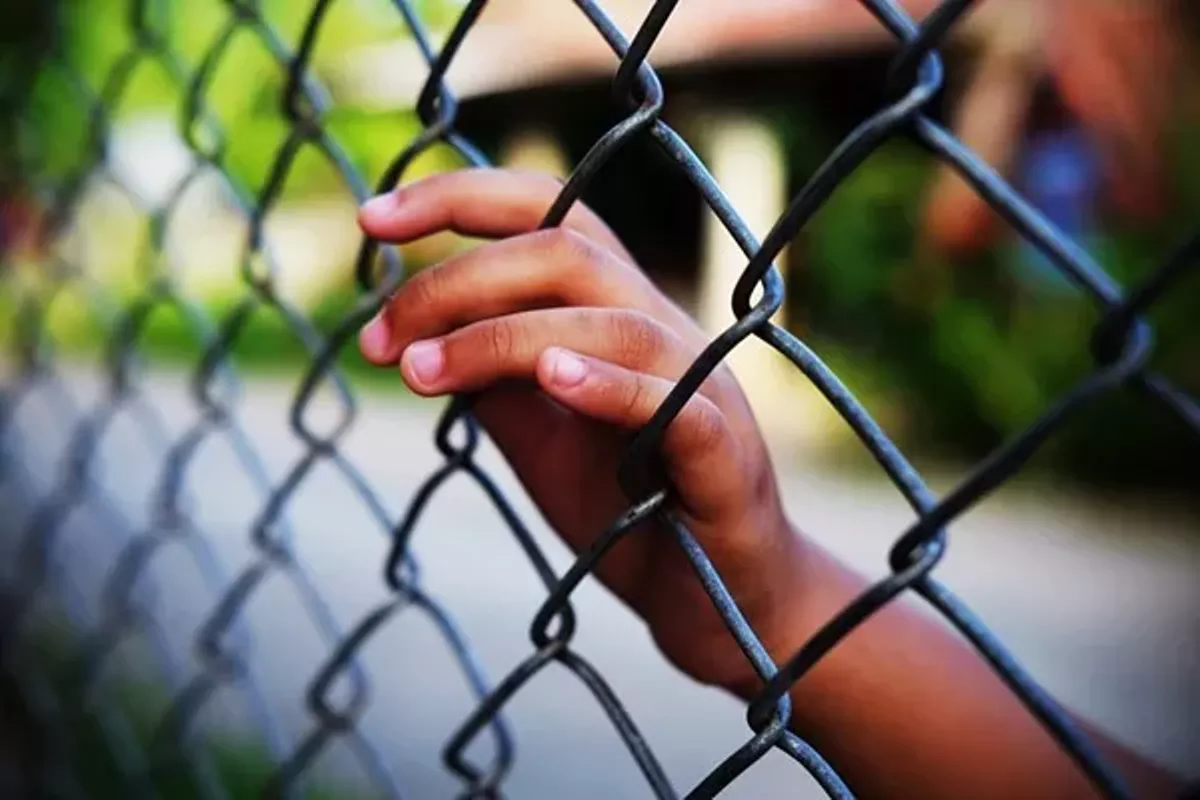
x=525, y=45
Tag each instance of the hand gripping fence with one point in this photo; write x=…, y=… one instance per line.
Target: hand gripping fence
x=1121, y=346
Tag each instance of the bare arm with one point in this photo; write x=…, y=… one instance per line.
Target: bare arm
x=905, y=707
x=567, y=347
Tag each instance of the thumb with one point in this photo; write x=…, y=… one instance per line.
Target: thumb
x=698, y=447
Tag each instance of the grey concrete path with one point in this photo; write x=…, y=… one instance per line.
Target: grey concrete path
x=1099, y=598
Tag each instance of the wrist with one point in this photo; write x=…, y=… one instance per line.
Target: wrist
x=780, y=609
x=808, y=585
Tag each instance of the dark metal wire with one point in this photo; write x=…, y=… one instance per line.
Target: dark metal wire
x=1122, y=347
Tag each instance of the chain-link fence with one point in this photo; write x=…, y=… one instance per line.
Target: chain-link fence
x=1122, y=345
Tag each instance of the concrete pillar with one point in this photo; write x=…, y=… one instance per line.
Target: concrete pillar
x=747, y=159
x=535, y=150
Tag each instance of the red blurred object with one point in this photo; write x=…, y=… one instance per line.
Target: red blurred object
x=1113, y=68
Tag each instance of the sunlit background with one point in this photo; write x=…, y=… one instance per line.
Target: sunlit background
x=954, y=332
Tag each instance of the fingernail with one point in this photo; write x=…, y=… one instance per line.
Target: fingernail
x=375, y=337
x=425, y=360
x=566, y=369
x=381, y=205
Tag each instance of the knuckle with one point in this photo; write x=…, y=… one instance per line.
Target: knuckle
x=721, y=385
x=761, y=484
x=432, y=189
x=640, y=340
x=569, y=247
x=548, y=184
x=577, y=266
x=500, y=339
x=706, y=426
x=546, y=240
x=425, y=288
x=635, y=397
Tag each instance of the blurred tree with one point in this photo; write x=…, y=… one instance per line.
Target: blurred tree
x=971, y=349
x=243, y=91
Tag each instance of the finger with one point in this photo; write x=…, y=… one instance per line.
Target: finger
x=699, y=449
x=537, y=270
x=490, y=203
x=479, y=355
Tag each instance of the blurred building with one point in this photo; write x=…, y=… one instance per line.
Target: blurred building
x=1069, y=98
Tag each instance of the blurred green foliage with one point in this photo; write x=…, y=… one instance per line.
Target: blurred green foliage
x=72, y=59
x=266, y=345
x=244, y=90
x=972, y=352
x=171, y=336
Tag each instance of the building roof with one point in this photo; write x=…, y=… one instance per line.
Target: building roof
x=521, y=44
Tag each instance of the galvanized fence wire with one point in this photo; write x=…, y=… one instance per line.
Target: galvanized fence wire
x=1121, y=346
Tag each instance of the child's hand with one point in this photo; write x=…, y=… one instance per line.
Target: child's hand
x=570, y=348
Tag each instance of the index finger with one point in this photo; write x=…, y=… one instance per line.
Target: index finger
x=484, y=202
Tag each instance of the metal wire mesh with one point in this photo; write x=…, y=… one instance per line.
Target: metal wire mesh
x=1121, y=345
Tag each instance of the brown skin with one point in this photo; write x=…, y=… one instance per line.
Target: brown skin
x=569, y=348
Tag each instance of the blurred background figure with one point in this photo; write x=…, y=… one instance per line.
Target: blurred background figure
x=1078, y=99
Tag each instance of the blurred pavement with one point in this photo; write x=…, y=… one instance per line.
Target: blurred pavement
x=1098, y=598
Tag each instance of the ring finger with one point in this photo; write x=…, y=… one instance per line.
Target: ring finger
x=475, y=356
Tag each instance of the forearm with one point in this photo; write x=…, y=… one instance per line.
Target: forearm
x=566, y=348
x=905, y=707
